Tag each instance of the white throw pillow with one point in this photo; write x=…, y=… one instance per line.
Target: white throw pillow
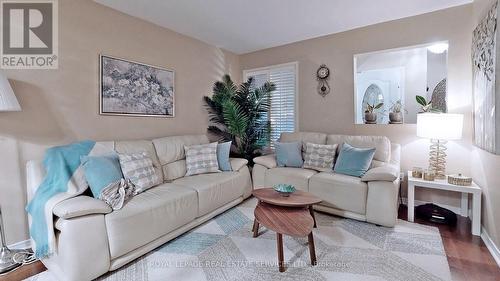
x=138, y=168
x=319, y=157
x=201, y=159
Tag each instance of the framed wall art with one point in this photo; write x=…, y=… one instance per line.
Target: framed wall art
x=484, y=82
x=131, y=88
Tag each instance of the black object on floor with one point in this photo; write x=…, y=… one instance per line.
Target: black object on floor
x=436, y=214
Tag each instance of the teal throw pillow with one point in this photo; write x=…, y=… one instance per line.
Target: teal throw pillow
x=289, y=154
x=354, y=161
x=223, y=150
x=101, y=171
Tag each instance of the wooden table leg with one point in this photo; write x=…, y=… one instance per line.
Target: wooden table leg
x=279, y=241
x=312, y=250
x=255, y=228
x=312, y=214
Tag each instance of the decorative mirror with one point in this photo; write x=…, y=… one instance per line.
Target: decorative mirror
x=386, y=83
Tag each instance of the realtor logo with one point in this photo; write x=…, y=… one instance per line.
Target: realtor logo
x=29, y=34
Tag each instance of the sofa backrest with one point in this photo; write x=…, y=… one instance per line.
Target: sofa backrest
x=318, y=138
x=171, y=155
x=128, y=147
x=381, y=143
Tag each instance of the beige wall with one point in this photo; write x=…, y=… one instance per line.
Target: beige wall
x=335, y=112
x=62, y=105
x=485, y=166
x=330, y=114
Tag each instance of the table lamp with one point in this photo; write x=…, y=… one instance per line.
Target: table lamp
x=439, y=128
x=8, y=102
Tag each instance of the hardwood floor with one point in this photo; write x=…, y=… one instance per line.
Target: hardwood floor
x=468, y=257
x=24, y=272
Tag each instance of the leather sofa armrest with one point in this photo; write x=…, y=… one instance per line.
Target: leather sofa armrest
x=80, y=206
x=238, y=163
x=387, y=172
x=268, y=161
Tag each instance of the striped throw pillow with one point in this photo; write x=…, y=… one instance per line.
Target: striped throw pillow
x=138, y=168
x=201, y=159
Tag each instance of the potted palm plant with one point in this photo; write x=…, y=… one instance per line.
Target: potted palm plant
x=370, y=112
x=239, y=114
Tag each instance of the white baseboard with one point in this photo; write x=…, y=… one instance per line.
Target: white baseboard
x=495, y=252
x=21, y=245
x=456, y=210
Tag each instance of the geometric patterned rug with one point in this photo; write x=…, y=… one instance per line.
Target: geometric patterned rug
x=223, y=249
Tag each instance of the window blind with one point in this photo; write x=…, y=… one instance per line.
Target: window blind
x=282, y=113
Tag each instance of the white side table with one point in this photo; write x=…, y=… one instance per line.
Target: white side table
x=444, y=185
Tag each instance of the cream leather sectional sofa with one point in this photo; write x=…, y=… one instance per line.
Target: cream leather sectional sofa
x=92, y=240
x=372, y=198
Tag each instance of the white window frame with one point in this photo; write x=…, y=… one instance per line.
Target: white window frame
x=266, y=69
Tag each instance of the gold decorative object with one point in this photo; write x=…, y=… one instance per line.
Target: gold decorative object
x=437, y=158
x=429, y=175
x=416, y=172
x=459, y=180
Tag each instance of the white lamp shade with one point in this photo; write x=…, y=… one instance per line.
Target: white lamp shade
x=440, y=126
x=8, y=100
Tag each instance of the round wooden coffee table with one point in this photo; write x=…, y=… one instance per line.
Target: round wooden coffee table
x=291, y=216
x=298, y=199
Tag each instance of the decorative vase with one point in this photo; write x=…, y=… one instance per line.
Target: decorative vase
x=370, y=117
x=396, y=117
x=284, y=189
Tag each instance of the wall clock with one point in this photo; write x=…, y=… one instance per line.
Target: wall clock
x=322, y=75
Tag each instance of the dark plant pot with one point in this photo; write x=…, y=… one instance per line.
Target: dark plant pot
x=395, y=117
x=370, y=117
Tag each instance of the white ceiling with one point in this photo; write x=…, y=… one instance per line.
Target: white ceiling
x=244, y=26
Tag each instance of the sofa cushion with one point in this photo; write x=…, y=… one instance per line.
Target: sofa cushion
x=387, y=172
x=297, y=177
x=101, y=172
x=303, y=137
x=130, y=147
x=354, y=161
x=237, y=163
x=150, y=215
x=214, y=190
x=201, y=159
x=340, y=191
x=171, y=149
x=289, y=154
x=174, y=170
x=223, y=151
x=138, y=169
x=319, y=157
x=381, y=143
x=268, y=161
x=80, y=206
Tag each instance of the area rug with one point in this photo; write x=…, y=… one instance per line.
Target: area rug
x=223, y=249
